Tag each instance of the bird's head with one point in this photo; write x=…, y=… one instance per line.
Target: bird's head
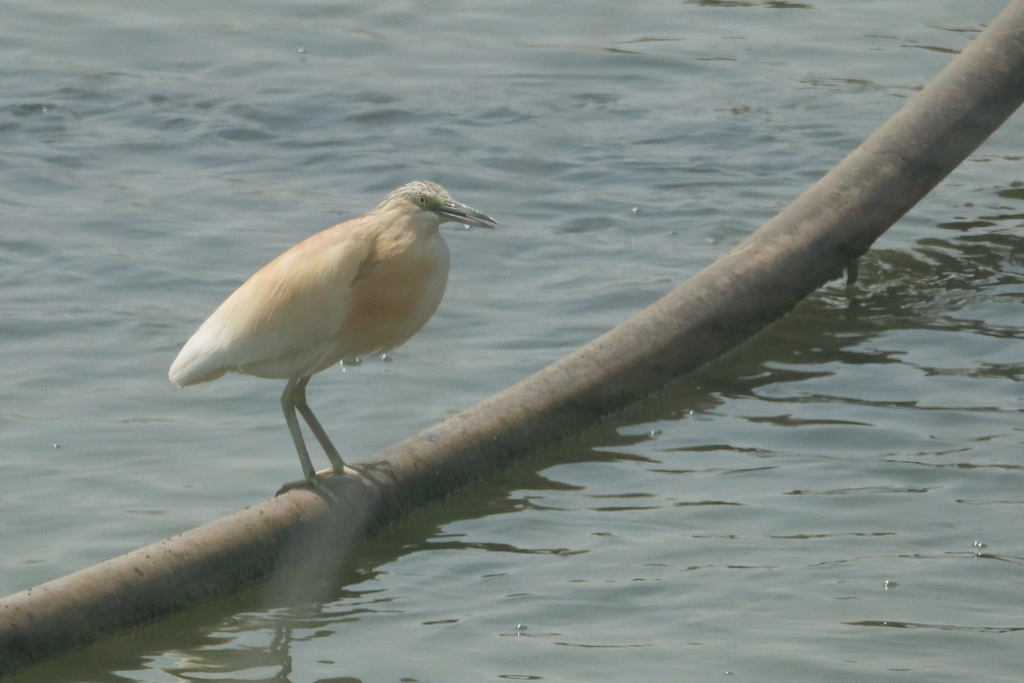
x=426, y=200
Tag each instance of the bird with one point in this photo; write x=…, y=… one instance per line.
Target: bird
x=365, y=286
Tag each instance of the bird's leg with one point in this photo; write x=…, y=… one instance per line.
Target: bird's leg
x=288, y=405
x=299, y=397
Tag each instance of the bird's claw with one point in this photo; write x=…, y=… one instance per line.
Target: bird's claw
x=317, y=483
x=300, y=484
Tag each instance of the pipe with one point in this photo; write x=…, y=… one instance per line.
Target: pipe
x=810, y=242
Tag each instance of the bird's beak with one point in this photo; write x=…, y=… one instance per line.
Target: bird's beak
x=460, y=213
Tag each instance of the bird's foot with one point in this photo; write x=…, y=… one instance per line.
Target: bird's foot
x=313, y=483
x=292, y=485
x=317, y=483
x=346, y=470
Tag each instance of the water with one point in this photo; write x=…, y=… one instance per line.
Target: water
x=837, y=500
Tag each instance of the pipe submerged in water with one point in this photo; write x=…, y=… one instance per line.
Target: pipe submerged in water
x=808, y=243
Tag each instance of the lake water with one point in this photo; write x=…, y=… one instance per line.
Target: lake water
x=840, y=499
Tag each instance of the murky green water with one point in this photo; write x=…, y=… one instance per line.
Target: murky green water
x=838, y=500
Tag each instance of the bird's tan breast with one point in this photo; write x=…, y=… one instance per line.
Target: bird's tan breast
x=397, y=290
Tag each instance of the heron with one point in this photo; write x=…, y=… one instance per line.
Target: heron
x=361, y=287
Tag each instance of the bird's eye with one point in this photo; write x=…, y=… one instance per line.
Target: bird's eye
x=422, y=199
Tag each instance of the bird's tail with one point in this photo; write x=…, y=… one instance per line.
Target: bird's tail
x=197, y=362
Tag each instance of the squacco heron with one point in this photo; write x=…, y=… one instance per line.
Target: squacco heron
x=363, y=286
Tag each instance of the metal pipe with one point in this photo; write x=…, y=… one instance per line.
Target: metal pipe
x=810, y=242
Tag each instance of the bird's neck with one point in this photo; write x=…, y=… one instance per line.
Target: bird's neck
x=420, y=223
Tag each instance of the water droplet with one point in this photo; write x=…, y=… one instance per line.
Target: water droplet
x=465, y=227
x=520, y=627
x=890, y=584
x=386, y=357
x=654, y=433
x=979, y=544
x=635, y=209
x=302, y=50
x=709, y=240
x=57, y=446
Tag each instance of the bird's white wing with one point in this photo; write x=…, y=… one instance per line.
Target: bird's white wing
x=282, y=315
